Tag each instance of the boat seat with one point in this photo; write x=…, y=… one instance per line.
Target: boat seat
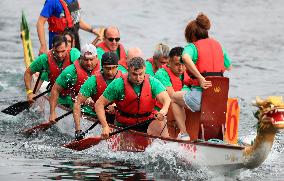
x=213, y=109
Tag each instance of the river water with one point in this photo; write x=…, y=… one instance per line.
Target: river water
x=251, y=31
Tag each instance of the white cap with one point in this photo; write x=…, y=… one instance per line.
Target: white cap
x=88, y=51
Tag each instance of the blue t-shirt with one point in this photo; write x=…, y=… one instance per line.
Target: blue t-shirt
x=53, y=8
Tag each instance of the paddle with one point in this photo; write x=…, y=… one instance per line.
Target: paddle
x=94, y=140
x=91, y=127
x=20, y=106
x=45, y=125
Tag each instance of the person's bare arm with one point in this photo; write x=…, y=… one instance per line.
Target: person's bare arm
x=77, y=110
x=28, y=79
x=192, y=68
x=55, y=91
x=101, y=114
x=86, y=27
x=170, y=91
x=165, y=100
x=41, y=34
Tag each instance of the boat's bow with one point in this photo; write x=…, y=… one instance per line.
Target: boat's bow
x=270, y=120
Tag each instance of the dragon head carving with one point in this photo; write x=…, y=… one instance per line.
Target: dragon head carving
x=270, y=112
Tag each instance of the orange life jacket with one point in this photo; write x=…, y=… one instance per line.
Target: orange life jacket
x=210, y=57
x=58, y=25
x=82, y=76
x=133, y=108
x=122, y=53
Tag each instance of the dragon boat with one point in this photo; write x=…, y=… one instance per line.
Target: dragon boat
x=217, y=120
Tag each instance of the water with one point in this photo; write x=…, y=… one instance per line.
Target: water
x=251, y=31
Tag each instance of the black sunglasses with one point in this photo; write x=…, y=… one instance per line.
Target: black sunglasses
x=111, y=39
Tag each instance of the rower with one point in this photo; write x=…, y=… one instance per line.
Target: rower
x=174, y=77
x=70, y=38
x=134, y=94
x=111, y=44
x=71, y=79
x=160, y=57
x=61, y=15
x=132, y=52
x=203, y=56
x=94, y=87
x=51, y=65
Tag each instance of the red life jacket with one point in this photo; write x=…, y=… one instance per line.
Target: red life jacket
x=122, y=53
x=210, y=57
x=151, y=60
x=53, y=67
x=101, y=84
x=123, y=63
x=133, y=108
x=58, y=25
x=82, y=76
x=177, y=84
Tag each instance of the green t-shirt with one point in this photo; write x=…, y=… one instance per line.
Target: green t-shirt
x=163, y=76
x=122, y=69
x=68, y=79
x=89, y=88
x=115, y=90
x=149, y=68
x=40, y=64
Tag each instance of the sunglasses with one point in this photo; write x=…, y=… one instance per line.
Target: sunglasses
x=111, y=39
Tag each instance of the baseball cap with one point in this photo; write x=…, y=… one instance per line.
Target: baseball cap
x=109, y=58
x=88, y=51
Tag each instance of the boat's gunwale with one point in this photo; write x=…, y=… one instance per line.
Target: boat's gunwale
x=201, y=143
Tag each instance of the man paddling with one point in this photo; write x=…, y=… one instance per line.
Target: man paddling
x=51, y=65
x=174, y=77
x=94, y=87
x=61, y=15
x=71, y=79
x=134, y=94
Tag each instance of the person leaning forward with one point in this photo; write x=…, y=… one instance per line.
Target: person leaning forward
x=134, y=94
x=61, y=15
x=50, y=65
x=71, y=79
x=94, y=87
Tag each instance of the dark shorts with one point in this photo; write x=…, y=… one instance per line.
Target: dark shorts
x=143, y=128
